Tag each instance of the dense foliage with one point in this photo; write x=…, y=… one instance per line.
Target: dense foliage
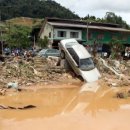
x=116, y=48
x=18, y=36
x=49, y=8
x=110, y=17
x=34, y=9
x=43, y=43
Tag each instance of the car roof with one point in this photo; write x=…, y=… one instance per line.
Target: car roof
x=69, y=42
x=81, y=51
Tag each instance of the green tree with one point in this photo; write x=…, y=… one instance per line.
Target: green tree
x=116, y=48
x=18, y=36
x=111, y=17
x=34, y=9
x=43, y=43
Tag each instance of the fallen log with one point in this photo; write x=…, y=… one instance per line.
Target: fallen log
x=17, y=108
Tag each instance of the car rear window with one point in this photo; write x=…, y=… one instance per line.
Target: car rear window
x=70, y=44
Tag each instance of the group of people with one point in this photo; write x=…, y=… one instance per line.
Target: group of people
x=20, y=52
x=95, y=48
x=104, y=50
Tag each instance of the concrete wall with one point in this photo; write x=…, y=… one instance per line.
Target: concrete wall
x=107, y=36
x=48, y=29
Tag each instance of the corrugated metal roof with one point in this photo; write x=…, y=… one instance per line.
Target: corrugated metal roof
x=67, y=25
x=89, y=26
x=83, y=22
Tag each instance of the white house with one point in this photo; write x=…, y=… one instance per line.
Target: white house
x=57, y=29
x=84, y=32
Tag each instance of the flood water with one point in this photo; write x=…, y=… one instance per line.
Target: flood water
x=66, y=109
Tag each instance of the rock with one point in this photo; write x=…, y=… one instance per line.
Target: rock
x=28, y=84
x=13, y=85
x=2, y=92
x=52, y=60
x=114, y=84
x=64, y=64
x=128, y=93
x=120, y=95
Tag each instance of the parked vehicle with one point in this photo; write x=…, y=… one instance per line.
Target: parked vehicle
x=7, y=51
x=49, y=52
x=79, y=59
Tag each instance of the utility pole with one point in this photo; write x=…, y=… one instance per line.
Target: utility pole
x=88, y=22
x=1, y=40
x=87, y=30
x=34, y=41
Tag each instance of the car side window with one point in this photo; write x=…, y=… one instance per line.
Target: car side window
x=74, y=55
x=49, y=51
x=57, y=51
x=53, y=50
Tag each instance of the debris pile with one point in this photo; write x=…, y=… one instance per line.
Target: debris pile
x=115, y=73
x=34, y=70
x=123, y=94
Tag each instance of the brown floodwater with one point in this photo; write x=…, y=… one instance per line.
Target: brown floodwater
x=66, y=109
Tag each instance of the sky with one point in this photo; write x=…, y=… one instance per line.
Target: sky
x=98, y=8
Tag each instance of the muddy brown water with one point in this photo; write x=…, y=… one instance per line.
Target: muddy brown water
x=88, y=110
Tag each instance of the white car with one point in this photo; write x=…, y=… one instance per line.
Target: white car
x=79, y=59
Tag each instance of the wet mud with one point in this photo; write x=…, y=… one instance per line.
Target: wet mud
x=66, y=109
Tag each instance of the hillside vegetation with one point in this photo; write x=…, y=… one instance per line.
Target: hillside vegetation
x=25, y=21
x=34, y=9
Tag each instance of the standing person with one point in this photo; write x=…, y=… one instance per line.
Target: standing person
x=88, y=48
x=25, y=54
x=129, y=52
x=94, y=49
x=126, y=52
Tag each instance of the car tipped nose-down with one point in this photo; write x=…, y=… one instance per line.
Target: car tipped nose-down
x=79, y=59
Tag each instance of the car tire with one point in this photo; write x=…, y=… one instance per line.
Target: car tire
x=80, y=78
x=62, y=54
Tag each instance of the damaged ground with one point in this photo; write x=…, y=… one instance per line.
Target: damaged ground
x=24, y=73
x=115, y=73
x=45, y=106
x=19, y=73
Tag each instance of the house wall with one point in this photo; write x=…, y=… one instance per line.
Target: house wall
x=104, y=36
x=48, y=29
x=68, y=31
x=100, y=36
x=129, y=38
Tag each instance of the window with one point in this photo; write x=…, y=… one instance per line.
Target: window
x=114, y=37
x=74, y=34
x=86, y=64
x=61, y=33
x=90, y=36
x=49, y=34
x=100, y=36
x=49, y=51
x=74, y=55
x=124, y=38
